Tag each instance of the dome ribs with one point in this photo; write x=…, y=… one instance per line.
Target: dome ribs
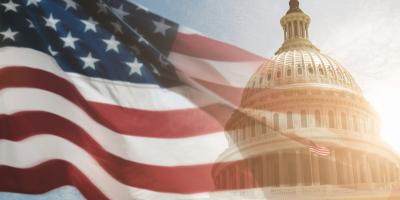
x=306, y=67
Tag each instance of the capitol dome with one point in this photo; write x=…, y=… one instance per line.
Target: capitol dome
x=304, y=129
x=298, y=61
x=303, y=66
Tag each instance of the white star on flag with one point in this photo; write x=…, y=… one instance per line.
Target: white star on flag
x=134, y=67
x=112, y=44
x=51, y=22
x=70, y=4
x=102, y=8
x=33, y=2
x=119, y=12
x=69, y=41
x=90, y=24
x=10, y=6
x=8, y=34
x=117, y=27
x=161, y=27
x=89, y=61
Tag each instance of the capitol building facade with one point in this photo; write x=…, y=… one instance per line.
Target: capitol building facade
x=305, y=131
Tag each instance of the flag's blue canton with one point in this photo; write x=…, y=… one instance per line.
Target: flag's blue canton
x=111, y=39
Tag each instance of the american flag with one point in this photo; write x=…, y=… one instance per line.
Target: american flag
x=319, y=150
x=112, y=99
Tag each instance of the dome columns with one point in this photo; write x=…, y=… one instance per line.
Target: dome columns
x=295, y=27
x=333, y=168
x=299, y=167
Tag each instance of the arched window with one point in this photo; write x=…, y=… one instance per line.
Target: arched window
x=310, y=70
x=344, y=120
x=299, y=71
x=321, y=71
x=279, y=74
x=303, y=119
x=288, y=72
x=289, y=119
x=331, y=119
x=317, y=118
x=263, y=125
x=269, y=76
x=276, y=121
x=355, y=123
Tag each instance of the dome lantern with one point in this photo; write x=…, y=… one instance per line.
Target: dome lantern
x=295, y=27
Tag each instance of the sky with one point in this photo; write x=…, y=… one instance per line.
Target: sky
x=362, y=35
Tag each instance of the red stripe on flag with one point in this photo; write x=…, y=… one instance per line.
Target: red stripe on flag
x=45, y=177
x=198, y=69
x=170, y=124
x=22, y=125
x=202, y=47
x=230, y=94
x=186, y=179
x=53, y=174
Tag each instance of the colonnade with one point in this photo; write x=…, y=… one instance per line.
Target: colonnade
x=296, y=29
x=299, y=167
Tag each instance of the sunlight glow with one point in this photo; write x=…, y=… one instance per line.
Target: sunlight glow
x=386, y=102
